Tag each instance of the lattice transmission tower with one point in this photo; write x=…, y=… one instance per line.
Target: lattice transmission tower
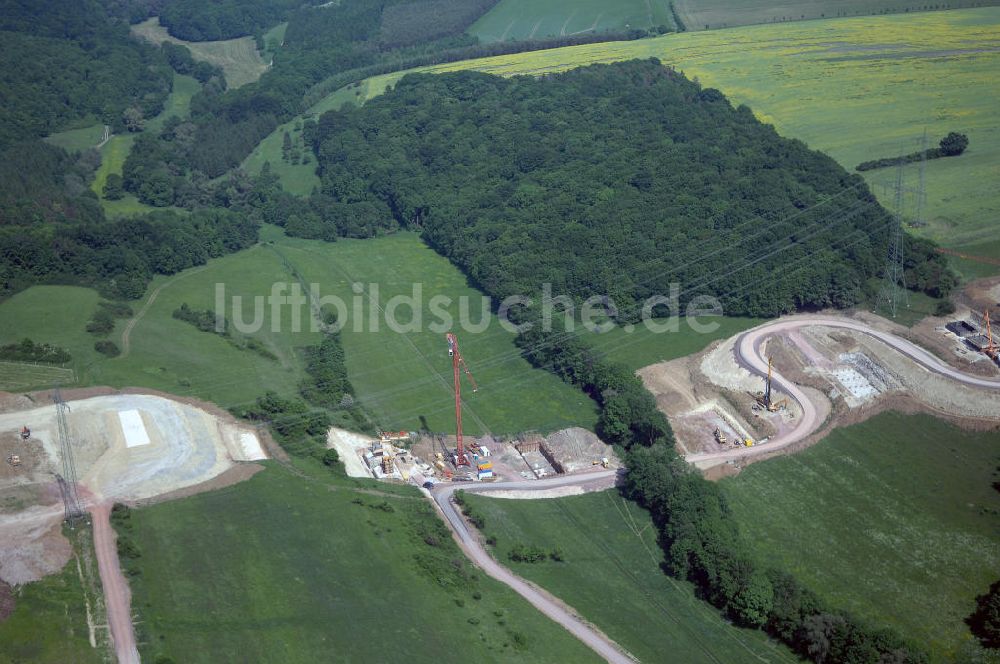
x=893, y=294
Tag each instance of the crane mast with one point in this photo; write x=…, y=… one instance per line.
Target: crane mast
x=458, y=366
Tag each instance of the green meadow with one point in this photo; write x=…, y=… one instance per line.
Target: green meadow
x=403, y=379
x=895, y=520
x=289, y=568
x=611, y=575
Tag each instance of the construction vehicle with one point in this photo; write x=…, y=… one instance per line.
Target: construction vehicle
x=388, y=463
x=748, y=443
x=25, y=433
x=603, y=462
x=720, y=436
x=14, y=460
x=764, y=398
x=458, y=363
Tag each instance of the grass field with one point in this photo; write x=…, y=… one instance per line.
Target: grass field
x=894, y=519
x=405, y=378
x=55, y=315
x=856, y=88
x=714, y=14
x=401, y=378
x=49, y=623
x=299, y=179
x=22, y=375
x=537, y=19
x=238, y=58
x=75, y=140
x=116, y=150
x=611, y=575
x=178, y=103
x=273, y=39
x=284, y=569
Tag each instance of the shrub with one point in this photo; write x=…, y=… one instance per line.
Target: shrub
x=107, y=348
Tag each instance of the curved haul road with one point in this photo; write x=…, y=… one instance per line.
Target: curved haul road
x=748, y=355
x=541, y=600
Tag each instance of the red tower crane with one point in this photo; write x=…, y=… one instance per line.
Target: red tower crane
x=457, y=362
x=991, y=349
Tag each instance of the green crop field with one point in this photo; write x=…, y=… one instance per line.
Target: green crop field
x=611, y=576
x=75, y=140
x=537, y=19
x=894, y=519
x=714, y=14
x=238, y=58
x=284, y=568
x=856, y=88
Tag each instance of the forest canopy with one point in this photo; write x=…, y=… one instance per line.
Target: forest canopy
x=612, y=180
x=62, y=63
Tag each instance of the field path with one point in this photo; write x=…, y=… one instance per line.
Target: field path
x=127, y=332
x=566, y=22
x=749, y=356
x=539, y=598
x=116, y=592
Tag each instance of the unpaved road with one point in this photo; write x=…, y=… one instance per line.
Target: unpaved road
x=116, y=593
x=749, y=355
x=541, y=600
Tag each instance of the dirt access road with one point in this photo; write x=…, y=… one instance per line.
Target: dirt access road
x=749, y=356
x=541, y=600
x=116, y=593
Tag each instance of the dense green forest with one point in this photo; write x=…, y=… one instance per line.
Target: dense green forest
x=68, y=62
x=324, y=48
x=120, y=256
x=414, y=22
x=611, y=180
x=197, y=20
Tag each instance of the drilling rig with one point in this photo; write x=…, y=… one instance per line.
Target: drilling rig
x=990, y=349
x=457, y=363
x=764, y=399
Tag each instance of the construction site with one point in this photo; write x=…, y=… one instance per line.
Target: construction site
x=842, y=370
x=64, y=455
x=426, y=459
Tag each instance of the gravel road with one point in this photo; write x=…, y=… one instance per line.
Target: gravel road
x=749, y=356
x=541, y=600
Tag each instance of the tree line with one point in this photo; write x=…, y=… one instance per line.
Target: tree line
x=951, y=145
x=701, y=540
x=611, y=180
